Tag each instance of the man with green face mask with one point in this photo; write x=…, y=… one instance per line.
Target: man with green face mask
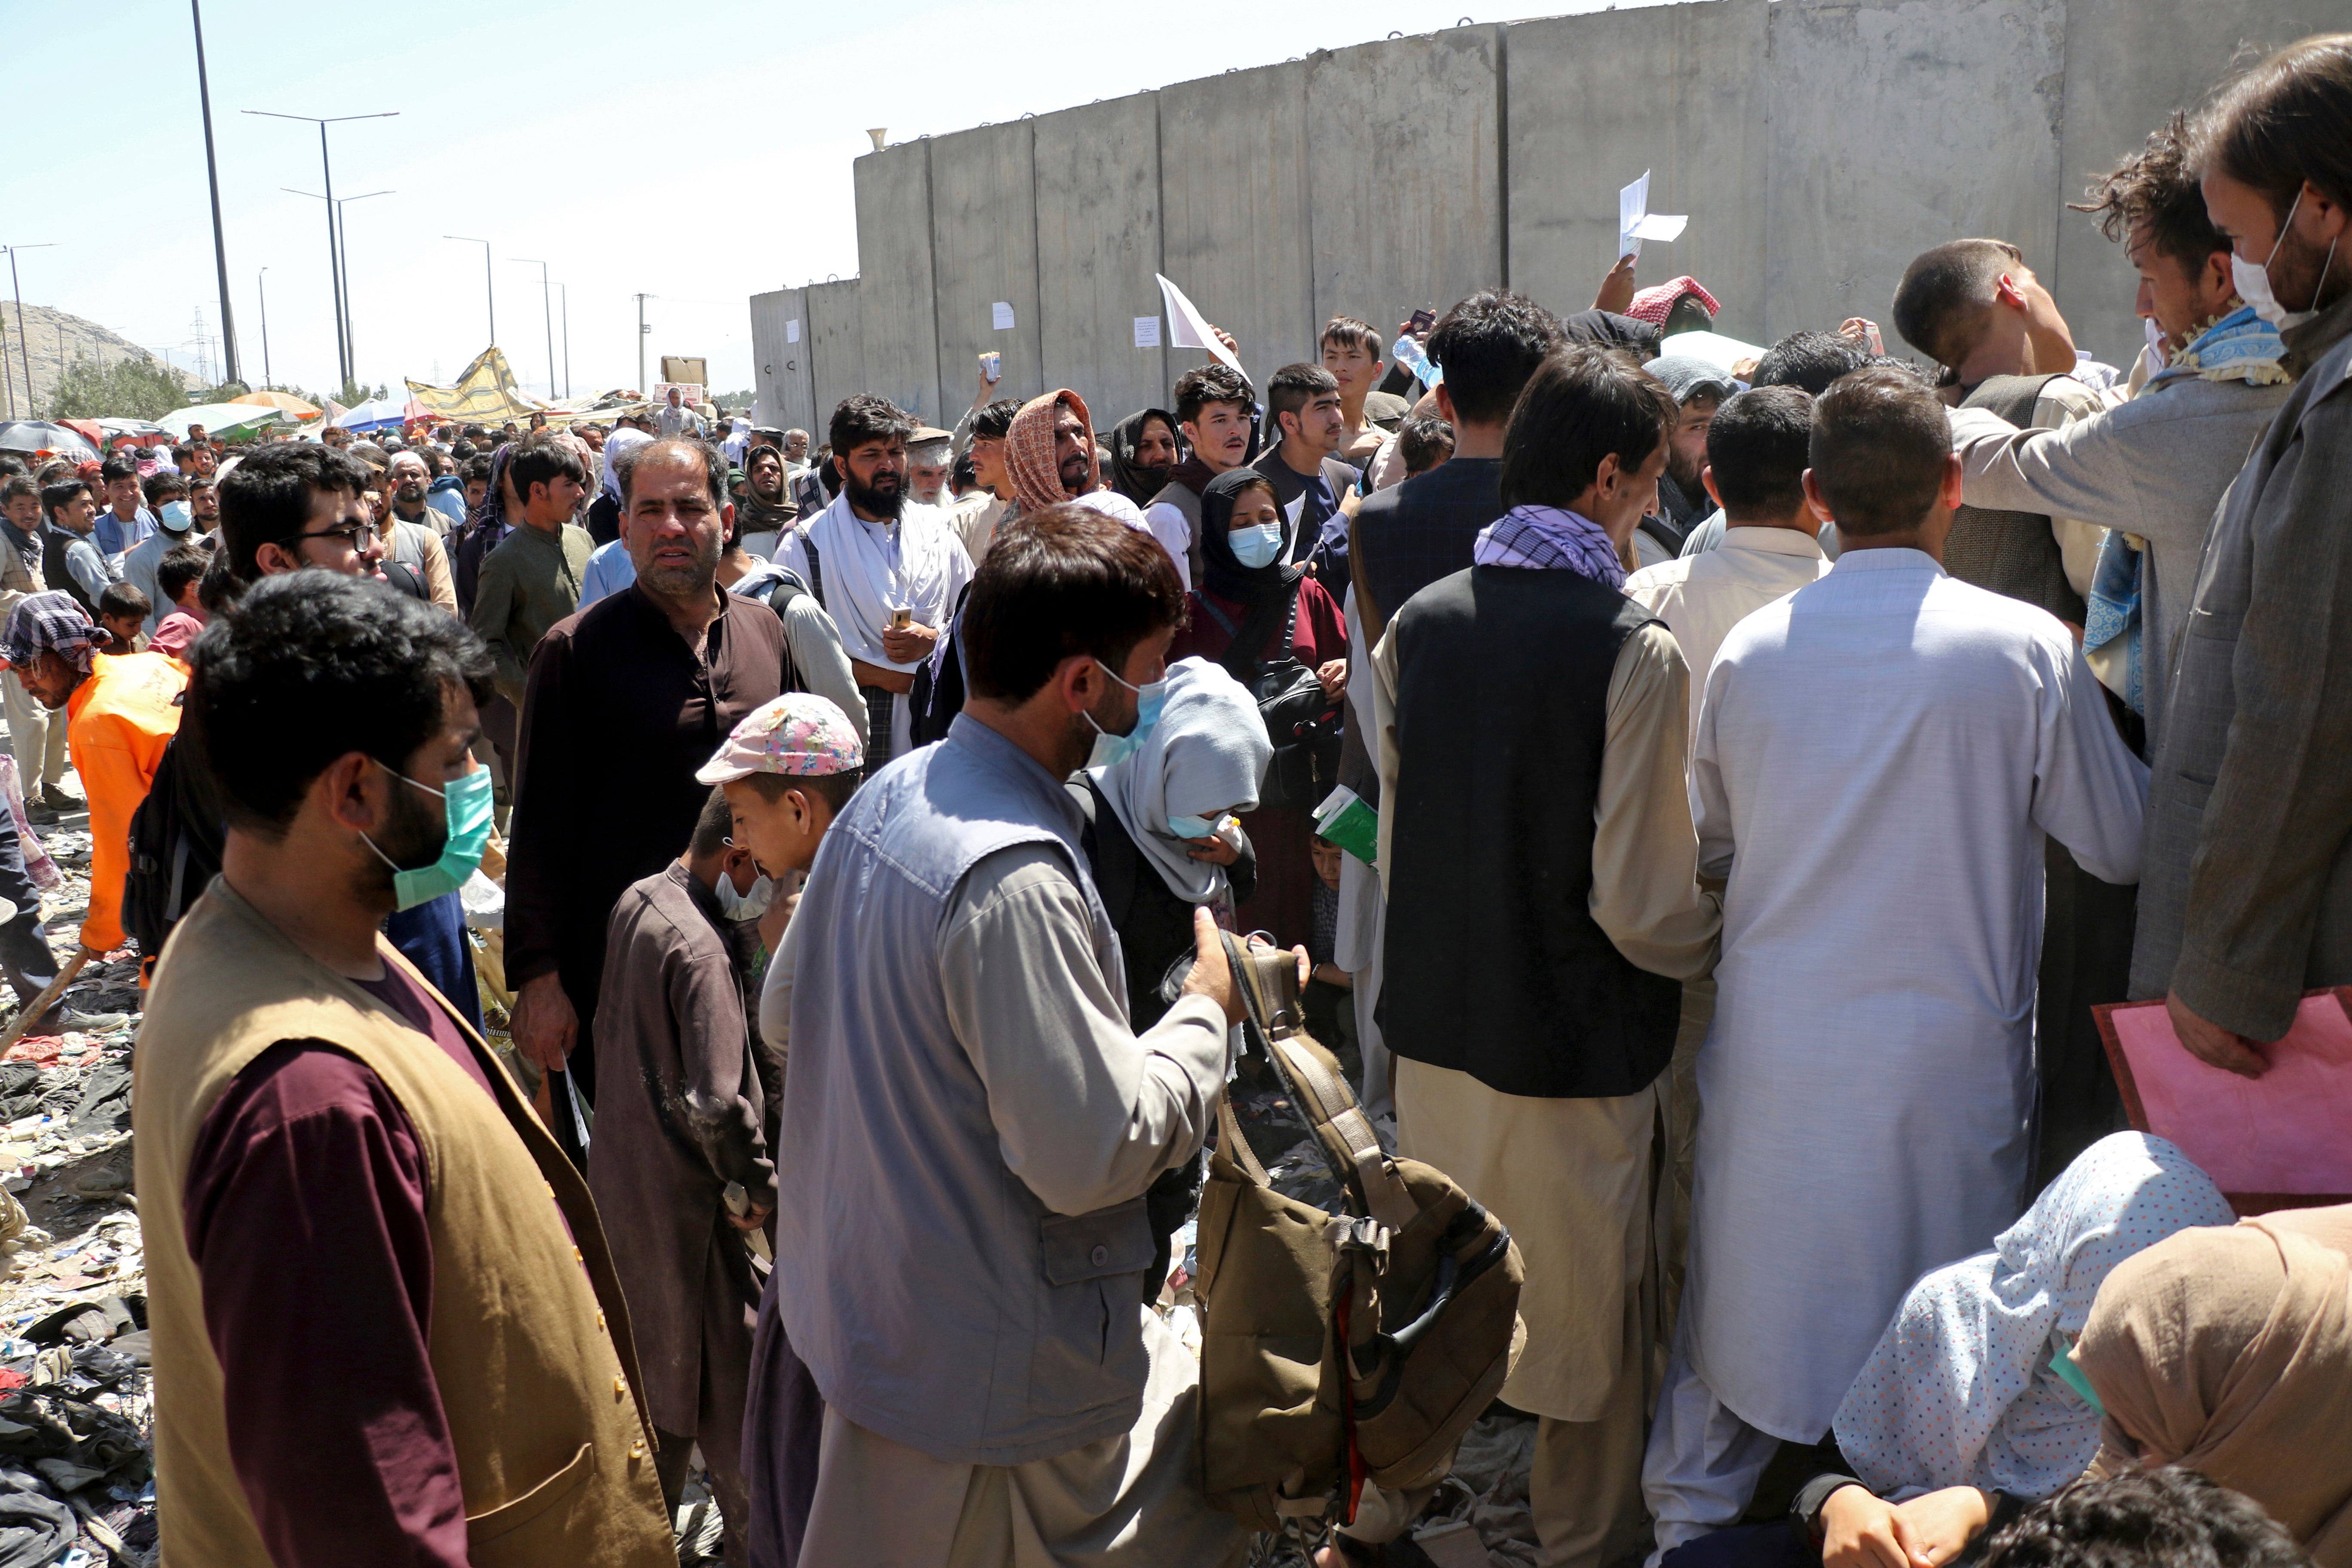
x=329, y=1156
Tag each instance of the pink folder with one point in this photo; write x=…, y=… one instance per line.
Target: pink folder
x=2280, y=1141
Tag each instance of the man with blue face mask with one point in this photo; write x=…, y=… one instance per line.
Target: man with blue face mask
x=175, y=524
x=2246, y=882
x=329, y=1154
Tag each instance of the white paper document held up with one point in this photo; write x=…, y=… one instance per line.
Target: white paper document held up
x=1186, y=327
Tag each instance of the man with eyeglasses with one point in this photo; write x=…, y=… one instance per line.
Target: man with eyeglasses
x=625, y=701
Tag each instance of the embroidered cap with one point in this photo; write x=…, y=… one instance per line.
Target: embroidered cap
x=799, y=733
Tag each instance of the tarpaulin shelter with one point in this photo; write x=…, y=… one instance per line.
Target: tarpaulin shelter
x=486, y=393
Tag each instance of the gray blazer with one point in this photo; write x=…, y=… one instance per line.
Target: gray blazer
x=2245, y=896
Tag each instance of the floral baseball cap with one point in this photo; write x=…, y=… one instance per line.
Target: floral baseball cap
x=799, y=733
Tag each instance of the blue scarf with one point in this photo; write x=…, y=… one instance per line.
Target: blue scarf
x=1550, y=538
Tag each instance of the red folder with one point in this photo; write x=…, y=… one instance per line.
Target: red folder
x=2280, y=1141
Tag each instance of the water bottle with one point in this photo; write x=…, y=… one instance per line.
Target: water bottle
x=1407, y=353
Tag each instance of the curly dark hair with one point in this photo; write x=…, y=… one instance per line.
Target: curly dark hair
x=2154, y=186
x=310, y=666
x=2169, y=1518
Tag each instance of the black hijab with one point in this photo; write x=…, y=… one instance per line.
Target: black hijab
x=1128, y=478
x=1222, y=571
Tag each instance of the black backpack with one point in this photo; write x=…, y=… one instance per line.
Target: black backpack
x=176, y=850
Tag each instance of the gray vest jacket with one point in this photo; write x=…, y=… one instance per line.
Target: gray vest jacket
x=2011, y=553
x=934, y=1297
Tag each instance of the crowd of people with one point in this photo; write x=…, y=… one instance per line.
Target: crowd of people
x=1773, y=764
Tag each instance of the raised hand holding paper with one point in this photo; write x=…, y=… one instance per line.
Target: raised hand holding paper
x=1188, y=328
x=1636, y=222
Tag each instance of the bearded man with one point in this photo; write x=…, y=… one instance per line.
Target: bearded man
x=1699, y=389
x=890, y=571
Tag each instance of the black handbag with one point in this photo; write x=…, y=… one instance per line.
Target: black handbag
x=1301, y=724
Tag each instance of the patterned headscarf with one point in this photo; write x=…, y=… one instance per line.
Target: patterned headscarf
x=1651, y=305
x=51, y=623
x=1029, y=450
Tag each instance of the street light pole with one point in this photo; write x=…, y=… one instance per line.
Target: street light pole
x=334, y=237
x=563, y=295
x=343, y=288
x=642, y=330
x=212, y=174
x=261, y=287
x=546, y=307
x=23, y=353
x=489, y=293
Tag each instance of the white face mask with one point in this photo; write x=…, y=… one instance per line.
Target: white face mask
x=747, y=906
x=2253, y=283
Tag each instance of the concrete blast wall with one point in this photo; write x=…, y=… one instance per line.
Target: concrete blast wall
x=1817, y=146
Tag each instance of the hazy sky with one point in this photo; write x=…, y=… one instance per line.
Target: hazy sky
x=635, y=148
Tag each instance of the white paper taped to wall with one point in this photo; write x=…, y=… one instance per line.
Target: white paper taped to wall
x=1147, y=331
x=1001, y=316
x=1186, y=327
x=792, y=330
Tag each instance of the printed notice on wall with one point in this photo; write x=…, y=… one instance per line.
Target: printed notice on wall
x=1147, y=331
x=1001, y=316
x=792, y=330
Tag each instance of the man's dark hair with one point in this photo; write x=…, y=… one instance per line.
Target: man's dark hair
x=1489, y=345
x=1424, y=441
x=2169, y=1518
x=1581, y=404
x=1293, y=386
x=11, y=466
x=1349, y=332
x=834, y=789
x=183, y=452
x=1809, y=362
x=475, y=468
x=714, y=826
x=56, y=495
x=462, y=450
x=1207, y=383
x=1758, y=445
x=123, y=600
x=18, y=484
x=865, y=416
x=2286, y=121
x=117, y=466
x=964, y=475
x=2154, y=188
x=436, y=461
x=542, y=457
x=182, y=564
x=993, y=422
x=311, y=666
x=163, y=485
x=713, y=461
x=267, y=498
x=1879, y=444
x=218, y=588
x=1946, y=293
x=1062, y=581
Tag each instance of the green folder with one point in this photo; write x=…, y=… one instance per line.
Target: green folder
x=1346, y=821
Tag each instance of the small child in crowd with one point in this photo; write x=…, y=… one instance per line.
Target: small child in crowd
x=123, y=611
x=179, y=576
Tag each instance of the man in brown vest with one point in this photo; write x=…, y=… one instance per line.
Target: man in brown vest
x=1976, y=308
x=386, y=1327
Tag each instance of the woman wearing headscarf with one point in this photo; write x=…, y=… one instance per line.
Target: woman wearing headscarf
x=767, y=510
x=604, y=512
x=1143, y=451
x=1153, y=839
x=1253, y=607
x=2227, y=1351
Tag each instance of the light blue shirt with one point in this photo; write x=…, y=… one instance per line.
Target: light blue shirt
x=610, y=569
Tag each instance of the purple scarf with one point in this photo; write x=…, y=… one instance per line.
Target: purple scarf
x=1549, y=539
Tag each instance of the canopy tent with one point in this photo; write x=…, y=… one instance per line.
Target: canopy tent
x=222, y=419
x=486, y=393
x=286, y=401
x=38, y=436
x=138, y=432
x=380, y=414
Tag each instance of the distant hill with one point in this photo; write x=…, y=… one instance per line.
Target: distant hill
x=51, y=340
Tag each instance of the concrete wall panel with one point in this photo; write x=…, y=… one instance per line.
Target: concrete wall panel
x=780, y=358
x=2116, y=96
x=1594, y=101
x=1232, y=192
x=836, y=335
x=1898, y=125
x=899, y=336
x=1097, y=246
x=1406, y=203
x=983, y=250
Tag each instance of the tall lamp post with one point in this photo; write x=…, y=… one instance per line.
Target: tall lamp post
x=261, y=287
x=22, y=352
x=334, y=239
x=489, y=294
x=343, y=283
x=563, y=299
x=211, y=176
x=547, y=309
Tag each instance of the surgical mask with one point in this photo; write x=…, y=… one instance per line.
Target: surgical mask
x=1191, y=826
x=178, y=516
x=466, y=806
x=1256, y=545
x=747, y=906
x=2253, y=283
x=1112, y=749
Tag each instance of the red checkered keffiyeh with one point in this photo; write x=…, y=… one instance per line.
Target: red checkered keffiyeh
x=1651, y=305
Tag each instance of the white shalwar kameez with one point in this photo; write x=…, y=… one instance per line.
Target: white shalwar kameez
x=1877, y=758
